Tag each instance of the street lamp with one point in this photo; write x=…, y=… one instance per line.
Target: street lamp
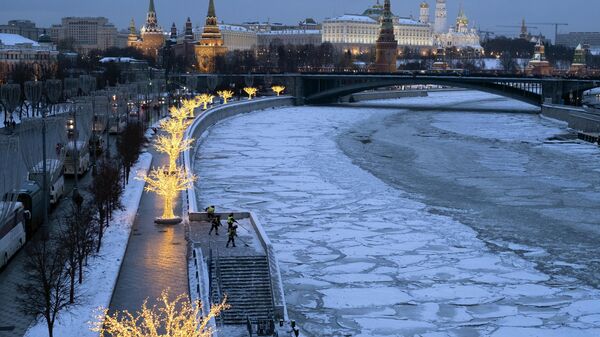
x=72, y=86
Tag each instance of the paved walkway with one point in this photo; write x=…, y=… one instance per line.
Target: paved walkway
x=155, y=259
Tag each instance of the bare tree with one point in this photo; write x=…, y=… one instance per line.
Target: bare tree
x=106, y=190
x=77, y=237
x=129, y=147
x=45, y=291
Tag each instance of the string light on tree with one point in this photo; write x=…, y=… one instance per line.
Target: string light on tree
x=278, y=89
x=169, y=318
x=251, y=91
x=205, y=100
x=168, y=184
x=172, y=147
x=190, y=105
x=225, y=95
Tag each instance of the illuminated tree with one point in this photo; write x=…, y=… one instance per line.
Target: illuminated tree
x=225, y=95
x=172, y=147
x=176, y=318
x=177, y=124
x=190, y=105
x=205, y=99
x=167, y=184
x=251, y=92
x=278, y=89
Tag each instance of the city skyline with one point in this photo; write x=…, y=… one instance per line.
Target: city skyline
x=483, y=14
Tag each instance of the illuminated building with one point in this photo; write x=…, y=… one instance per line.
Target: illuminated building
x=211, y=44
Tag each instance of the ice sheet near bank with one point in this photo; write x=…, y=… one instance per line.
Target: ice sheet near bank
x=362, y=257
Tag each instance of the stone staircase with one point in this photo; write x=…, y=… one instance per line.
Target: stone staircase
x=246, y=282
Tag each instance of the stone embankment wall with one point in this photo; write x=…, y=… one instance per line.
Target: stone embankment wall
x=581, y=119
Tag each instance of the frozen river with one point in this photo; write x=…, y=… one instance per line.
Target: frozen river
x=406, y=218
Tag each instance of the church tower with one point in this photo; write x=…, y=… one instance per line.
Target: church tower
x=386, y=47
x=211, y=44
x=424, y=13
x=441, y=17
x=152, y=35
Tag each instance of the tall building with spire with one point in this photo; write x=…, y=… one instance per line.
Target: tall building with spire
x=386, y=47
x=152, y=38
x=211, y=44
x=441, y=17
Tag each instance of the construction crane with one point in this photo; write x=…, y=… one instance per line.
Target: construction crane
x=555, y=24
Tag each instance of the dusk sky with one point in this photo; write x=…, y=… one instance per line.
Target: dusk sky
x=486, y=14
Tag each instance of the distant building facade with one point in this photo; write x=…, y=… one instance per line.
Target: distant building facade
x=16, y=49
x=573, y=39
x=86, y=33
x=152, y=37
x=24, y=28
x=296, y=37
x=359, y=33
x=237, y=37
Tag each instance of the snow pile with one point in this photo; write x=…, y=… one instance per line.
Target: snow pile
x=361, y=257
x=103, y=270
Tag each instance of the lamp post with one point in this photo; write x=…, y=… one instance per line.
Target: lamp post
x=33, y=93
x=72, y=86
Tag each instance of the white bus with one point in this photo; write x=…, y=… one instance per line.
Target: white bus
x=83, y=158
x=56, y=183
x=12, y=232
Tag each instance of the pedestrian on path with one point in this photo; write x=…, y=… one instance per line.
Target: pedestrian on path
x=210, y=211
x=232, y=235
x=215, y=224
x=230, y=221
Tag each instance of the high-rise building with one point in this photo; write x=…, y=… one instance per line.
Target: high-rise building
x=441, y=17
x=211, y=44
x=424, y=13
x=386, y=47
x=152, y=37
x=85, y=33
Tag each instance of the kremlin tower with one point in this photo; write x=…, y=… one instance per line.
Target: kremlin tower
x=386, y=46
x=152, y=38
x=211, y=44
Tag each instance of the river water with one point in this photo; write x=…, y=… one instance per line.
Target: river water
x=459, y=214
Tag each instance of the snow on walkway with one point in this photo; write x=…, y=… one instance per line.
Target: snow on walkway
x=103, y=270
x=361, y=257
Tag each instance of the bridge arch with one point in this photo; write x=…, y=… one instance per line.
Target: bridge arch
x=332, y=94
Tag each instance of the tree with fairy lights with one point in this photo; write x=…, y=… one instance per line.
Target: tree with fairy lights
x=167, y=184
x=278, y=89
x=225, y=95
x=251, y=91
x=169, y=318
